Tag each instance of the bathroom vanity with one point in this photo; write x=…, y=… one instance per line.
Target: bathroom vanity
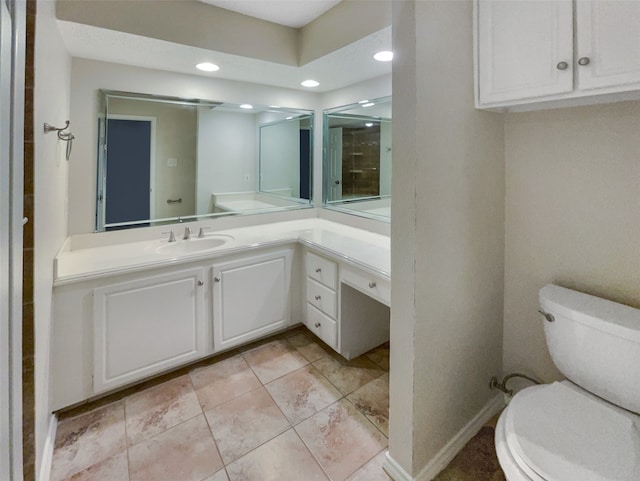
x=129, y=310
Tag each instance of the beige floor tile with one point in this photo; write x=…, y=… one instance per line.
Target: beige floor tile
x=185, y=452
x=88, y=439
x=245, y=422
x=348, y=376
x=159, y=408
x=115, y=468
x=223, y=381
x=307, y=345
x=380, y=356
x=284, y=458
x=372, y=400
x=219, y=476
x=341, y=439
x=372, y=471
x=302, y=393
x=274, y=359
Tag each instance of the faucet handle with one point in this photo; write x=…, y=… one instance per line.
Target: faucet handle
x=187, y=233
x=201, y=231
x=172, y=235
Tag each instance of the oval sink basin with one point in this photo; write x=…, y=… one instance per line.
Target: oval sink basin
x=193, y=245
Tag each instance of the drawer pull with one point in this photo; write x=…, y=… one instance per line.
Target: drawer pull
x=372, y=284
x=317, y=298
x=216, y=279
x=317, y=324
x=201, y=283
x=318, y=270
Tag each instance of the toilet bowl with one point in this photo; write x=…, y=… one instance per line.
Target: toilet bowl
x=563, y=431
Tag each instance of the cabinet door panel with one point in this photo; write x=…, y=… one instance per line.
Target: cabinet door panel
x=251, y=298
x=520, y=44
x=146, y=326
x=608, y=35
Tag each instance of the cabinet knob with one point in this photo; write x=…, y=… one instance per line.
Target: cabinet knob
x=201, y=283
x=216, y=279
x=318, y=270
x=584, y=61
x=317, y=298
x=562, y=66
x=317, y=324
x=372, y=284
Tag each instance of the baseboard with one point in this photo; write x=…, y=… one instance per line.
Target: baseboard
x=449, y=451
x=47, y=453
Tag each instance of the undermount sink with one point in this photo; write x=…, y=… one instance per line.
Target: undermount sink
x=197, y=244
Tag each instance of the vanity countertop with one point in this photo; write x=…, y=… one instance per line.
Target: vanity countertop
x=356, y=246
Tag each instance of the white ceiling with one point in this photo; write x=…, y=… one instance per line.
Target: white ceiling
x=292, y=13
x=343, y=67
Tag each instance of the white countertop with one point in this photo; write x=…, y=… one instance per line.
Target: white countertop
x=356, y=246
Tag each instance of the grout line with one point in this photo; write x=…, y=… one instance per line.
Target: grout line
x=312, y=455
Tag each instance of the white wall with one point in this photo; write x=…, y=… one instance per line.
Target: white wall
x=280, y=157
x=226, y=154
x=88, y=76
x=572, y=217
x=51, y=104
x=447, y=237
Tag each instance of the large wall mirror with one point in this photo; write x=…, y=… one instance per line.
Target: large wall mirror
x=166, y=159
x=357, y=158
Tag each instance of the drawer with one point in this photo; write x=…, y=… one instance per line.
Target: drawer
x=322, y=297
x=370, y=284
x=322, y=270
x=322, y=326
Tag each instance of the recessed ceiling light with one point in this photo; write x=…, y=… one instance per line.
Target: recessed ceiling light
x=363, y=102
x=309, y=83
x=369, y=124
x=370, y=104
x=384, y=56
x=207, y=67
x=246, y=106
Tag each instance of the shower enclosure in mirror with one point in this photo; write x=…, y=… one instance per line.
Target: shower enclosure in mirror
x=357, y=158
x=167, y=159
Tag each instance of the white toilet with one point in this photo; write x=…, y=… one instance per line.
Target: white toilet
x=586, y=428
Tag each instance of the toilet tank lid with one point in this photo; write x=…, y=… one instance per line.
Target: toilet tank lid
x=602, y=314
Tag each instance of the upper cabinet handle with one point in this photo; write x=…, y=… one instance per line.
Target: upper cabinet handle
x=562, y=66
x=584, y=61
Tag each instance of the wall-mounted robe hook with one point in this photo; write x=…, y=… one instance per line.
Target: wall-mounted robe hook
x=66, y=136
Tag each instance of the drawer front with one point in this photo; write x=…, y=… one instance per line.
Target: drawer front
x=322, y=270
x=322, y=326
x=322, y=297
x=370, y=284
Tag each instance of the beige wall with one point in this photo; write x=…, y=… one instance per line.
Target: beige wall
x=51, y=104
x=447, y=235
x=572, y=217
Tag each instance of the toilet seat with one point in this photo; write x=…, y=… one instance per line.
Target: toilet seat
x=558, y=432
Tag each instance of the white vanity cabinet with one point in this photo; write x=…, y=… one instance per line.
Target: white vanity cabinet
x=251, y=297
x=322, y=298
x=148, y=325
x=526, y=51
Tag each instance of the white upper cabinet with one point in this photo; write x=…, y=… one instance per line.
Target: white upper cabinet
x=527, y=52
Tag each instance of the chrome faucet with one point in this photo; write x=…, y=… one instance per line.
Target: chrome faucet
x=172, y=235
x=201, y=232
x=187, y=233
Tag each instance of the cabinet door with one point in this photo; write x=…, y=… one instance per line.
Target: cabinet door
x=608, y=34
x=145, y=326
x=250, y=298
x=520, y=47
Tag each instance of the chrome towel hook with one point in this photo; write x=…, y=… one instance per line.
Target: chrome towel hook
x=66, y=136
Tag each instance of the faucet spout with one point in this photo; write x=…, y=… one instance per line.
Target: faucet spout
x=187, y=233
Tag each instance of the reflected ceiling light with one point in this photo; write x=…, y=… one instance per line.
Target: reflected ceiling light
x=207, y=67
x=369, y=124
x=384, y=56
x=246, y=106
x=274, y=106
x=309, y=83
x=288, y=118
x=370, y=104
x=363, y=101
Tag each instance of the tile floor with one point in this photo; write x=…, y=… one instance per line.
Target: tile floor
x=287, y=408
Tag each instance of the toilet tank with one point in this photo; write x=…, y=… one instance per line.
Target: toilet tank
x=595, y=343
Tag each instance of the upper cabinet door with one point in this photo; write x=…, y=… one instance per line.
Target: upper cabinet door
x=525, y=49
x=608, y=51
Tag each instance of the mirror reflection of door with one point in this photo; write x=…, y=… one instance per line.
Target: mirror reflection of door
x=129, y=163
x=361, y=161
x=335, y=163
